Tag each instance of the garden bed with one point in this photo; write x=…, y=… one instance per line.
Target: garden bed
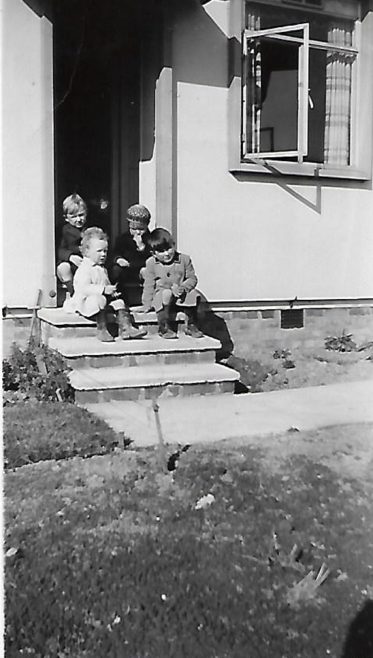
x=111, y=556
x=271, y=370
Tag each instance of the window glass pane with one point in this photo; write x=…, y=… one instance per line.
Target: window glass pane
x=316, y=108
x=276, y=109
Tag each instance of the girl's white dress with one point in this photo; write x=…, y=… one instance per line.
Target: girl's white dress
x=89, y=285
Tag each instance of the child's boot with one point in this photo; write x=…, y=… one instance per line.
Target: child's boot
x=102, y=333
x=126, y=329
x=191, y=328
x=164, y=328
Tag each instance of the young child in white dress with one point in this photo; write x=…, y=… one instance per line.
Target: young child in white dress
x=94, y=295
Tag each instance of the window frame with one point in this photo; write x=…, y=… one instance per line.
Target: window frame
x=281, y=34
x=361, y=163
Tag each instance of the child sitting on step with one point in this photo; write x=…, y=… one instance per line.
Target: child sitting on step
x=69, y=255
x=131, y=252
x=94, y=295
x=170, y=284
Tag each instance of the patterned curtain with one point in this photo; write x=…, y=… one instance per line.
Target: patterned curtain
x=338, y=99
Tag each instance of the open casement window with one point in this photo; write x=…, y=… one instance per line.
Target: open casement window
x=275, y=93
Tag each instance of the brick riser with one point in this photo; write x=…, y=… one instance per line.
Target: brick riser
x=134, y=370
x=138, y=394
x=132, y=360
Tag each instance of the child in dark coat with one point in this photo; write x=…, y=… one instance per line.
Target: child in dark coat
x=170, y=284
x=131, y=252
x=69, y=255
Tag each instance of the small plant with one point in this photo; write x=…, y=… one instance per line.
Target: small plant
x=285, y=355
x=36, y=372
x=343, y=343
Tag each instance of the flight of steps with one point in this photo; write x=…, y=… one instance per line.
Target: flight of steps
x=134, y=370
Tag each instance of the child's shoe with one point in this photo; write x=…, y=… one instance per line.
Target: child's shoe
x=191, y=328
x=168, y=333
x=102, y=333
x=126, y=329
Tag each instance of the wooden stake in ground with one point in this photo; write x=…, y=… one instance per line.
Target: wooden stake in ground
x=35, y=309
x=161, y=444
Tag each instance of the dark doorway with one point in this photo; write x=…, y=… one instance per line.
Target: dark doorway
x=96, y=99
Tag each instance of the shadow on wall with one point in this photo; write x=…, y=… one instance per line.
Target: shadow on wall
x=359, y=641
x=214, y=326
x=203, y=57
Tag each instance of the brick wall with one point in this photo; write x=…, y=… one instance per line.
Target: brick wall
x=246, y=330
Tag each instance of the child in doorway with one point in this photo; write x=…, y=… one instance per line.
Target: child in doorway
x=93, y=292
x=131, y=252
x=170, y=284
x=69, y=255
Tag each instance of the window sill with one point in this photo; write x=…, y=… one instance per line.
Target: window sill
x=307, y=169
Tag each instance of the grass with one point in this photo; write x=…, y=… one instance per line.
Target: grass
x=109, y=556
x=34, y=430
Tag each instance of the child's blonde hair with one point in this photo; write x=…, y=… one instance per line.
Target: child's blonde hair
x=72, y=204
x=89, y=234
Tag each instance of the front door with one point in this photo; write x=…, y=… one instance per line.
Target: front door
x=96, y=74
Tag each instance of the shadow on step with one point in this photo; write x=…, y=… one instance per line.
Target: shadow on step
x=214, y=326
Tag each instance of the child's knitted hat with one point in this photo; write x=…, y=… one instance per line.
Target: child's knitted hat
x=138, y=216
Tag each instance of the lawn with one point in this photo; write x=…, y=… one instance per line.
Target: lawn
x=111, y=556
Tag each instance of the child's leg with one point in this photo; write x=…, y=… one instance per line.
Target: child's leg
x=95, y=309
x=102, y=332
x=191, y=328
x=65, y=275
x=163, y=316
x=189, y=306
x=126, y=328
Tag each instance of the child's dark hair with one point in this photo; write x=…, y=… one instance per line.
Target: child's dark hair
x=160, y=240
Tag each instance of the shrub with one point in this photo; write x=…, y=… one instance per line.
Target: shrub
x=36, y=372
x=35, y=431
x=343, y=343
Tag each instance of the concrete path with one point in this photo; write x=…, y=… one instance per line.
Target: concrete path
x=217, y=417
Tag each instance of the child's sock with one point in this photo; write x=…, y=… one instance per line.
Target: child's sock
x=69, y=287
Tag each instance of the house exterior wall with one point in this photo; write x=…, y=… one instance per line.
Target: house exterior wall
x=256, y=237
x=27, y=156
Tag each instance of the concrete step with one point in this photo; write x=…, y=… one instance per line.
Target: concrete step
x=142, y=383
x=55, y=322
x=151, y=350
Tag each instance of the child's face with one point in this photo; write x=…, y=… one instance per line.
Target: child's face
x=77, y=217
x=165, y=256
x=97, y=251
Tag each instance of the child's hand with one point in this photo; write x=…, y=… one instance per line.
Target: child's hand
x=122, y=262
x=110, y=289
x=75, y=260
x=143, y=309
x=177, y=291
x=139, y=242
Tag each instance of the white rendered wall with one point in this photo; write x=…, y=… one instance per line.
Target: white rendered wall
x=27, y=147
x=252, y=237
